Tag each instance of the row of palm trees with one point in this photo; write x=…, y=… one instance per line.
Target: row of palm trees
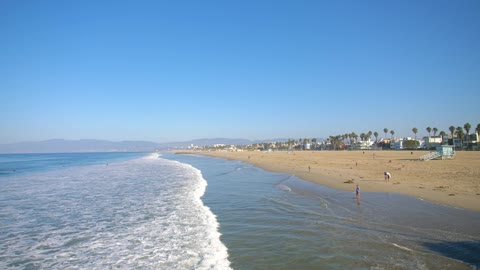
x=454, y=131
x=338, y=141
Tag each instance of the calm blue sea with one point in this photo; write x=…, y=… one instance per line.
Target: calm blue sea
x=151, y=211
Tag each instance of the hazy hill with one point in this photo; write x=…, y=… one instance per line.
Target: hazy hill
x=64, y=146
x=90, y=145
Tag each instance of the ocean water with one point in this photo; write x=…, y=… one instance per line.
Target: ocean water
x=145, y=211
x=138, y=213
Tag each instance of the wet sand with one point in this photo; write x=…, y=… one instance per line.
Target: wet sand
x=451, y=182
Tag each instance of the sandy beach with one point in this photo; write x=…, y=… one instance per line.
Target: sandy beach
x=451, y=182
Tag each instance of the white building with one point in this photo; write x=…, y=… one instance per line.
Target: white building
x=400, y=144
x=432, y=142
x=362, y=145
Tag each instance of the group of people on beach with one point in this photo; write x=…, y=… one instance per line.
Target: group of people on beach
x=387, y=177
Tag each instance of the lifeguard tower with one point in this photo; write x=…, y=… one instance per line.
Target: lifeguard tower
x=442, y=152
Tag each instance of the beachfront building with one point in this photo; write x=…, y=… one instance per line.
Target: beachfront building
x=195, y=147
x=470, y=141
x=362, y=145
x=466, y=142
x=432, y=142
x=458, y=143
x=384, y=143
x=396, y=144
x=401, y=143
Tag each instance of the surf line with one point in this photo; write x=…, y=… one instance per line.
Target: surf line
x=402, y=247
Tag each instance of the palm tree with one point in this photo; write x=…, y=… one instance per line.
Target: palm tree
x=369, y=134
x=355, y=136
x=291, y=143
x=442, y=135
x=376, y=136
x=460, y=134
x=386, y=131
x=429, y=129
x=335, y=140
x=415, y=130
x=452, y=130
x=459, y=131
x=392, y=132
x=435, y=131
x=467, y=127
x=340, y=142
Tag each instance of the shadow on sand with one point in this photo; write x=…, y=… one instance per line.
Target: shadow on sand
x=465, y=251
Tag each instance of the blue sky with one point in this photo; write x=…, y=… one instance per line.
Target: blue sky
x=180, y=70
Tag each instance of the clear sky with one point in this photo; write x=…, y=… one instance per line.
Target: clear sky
x=180, y=70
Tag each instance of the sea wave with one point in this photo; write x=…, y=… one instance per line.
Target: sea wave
x=143, y=213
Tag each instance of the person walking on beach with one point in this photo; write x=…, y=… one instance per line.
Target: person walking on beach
x=357, y=191
x=387, y=176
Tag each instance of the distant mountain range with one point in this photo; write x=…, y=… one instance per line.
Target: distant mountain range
x=67, y=146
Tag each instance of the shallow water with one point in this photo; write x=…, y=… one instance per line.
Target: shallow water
x=277, y=221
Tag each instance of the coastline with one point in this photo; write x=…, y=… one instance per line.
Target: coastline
x=450, y=182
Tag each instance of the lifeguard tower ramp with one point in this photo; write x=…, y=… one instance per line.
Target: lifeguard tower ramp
x=442, y=152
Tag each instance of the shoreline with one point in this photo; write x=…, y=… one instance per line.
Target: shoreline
x=453, y=183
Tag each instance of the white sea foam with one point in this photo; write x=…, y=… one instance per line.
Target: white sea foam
x=402, y=247
x=283, y=187
x=145, y=213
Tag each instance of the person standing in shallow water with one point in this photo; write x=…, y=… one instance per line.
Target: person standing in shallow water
x=357, y=191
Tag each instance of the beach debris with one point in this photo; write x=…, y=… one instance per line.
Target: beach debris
x=397, y=183
x=440, y=188
x=452, y=194
x=349, y=181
